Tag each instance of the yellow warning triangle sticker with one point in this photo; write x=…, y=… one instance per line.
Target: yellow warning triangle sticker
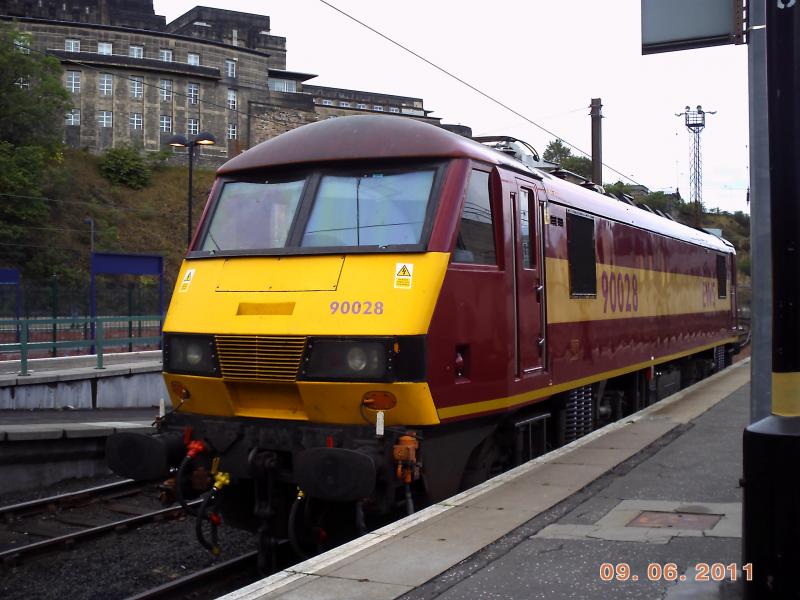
x=404, y=272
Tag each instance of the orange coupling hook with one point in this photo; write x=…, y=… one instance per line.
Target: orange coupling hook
x=405, y=453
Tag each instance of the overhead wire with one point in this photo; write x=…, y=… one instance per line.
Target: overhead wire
x=471, y=86
x=65, y=201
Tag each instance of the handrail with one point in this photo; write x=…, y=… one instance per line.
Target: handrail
x=98, y=325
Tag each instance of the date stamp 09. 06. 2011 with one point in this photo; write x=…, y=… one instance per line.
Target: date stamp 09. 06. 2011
x=670, y=572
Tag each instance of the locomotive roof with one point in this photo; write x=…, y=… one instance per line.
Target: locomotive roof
x=376, y=137
x=363, y=137
x=579, y=198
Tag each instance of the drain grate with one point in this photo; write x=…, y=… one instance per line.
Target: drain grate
x=674, y=520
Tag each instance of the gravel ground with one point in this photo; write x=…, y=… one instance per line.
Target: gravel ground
x=115, y=566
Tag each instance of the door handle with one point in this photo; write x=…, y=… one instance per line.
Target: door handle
x=539, y=290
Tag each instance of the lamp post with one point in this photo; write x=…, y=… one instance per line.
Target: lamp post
x=90, y=222
x=179, y=141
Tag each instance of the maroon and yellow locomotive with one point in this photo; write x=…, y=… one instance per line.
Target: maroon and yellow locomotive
x=376, y=311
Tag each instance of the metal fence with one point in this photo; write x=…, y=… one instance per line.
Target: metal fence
x=57, y=297
x=23, y=339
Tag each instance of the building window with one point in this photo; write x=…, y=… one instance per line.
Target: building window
x=165, y=90
x=193, y=59
x=136, y=121
x=73, y=117
x=137, y=86
x=394, y=109
x=105, y=84
x=232, y=99
x=361, y=106
x=475, y=242
x=104, y=118
x=378, y=108
x=104, y=48
x=193, y=126
x=74, y=81
x=344, y=104
x=231, y=131
x=72, y=45
x=230, y=68
x=193, y=92
x=165, y=54
x=581, y=256
x=282, y=85
x=326, y=102
x=136, y=51
x=165, y=123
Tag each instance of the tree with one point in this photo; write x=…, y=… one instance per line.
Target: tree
x=557, y=152
x=32, y=98
x=126, y=166
x=32, y=106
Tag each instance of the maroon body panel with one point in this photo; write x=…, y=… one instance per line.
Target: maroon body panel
x=476, y=314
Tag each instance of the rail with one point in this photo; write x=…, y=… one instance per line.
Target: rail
x=95, y=334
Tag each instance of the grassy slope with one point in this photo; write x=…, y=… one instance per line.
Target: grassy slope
x=147, y=221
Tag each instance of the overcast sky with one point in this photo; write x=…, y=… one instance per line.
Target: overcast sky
x=544, y=58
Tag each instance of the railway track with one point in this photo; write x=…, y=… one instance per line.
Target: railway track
x=61, y=521
x=206, y=581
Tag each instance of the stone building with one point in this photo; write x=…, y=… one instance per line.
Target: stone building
x=137, y=80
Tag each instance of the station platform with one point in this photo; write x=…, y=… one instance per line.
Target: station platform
x=127, y=380
x=26, y=425
x=649, y=507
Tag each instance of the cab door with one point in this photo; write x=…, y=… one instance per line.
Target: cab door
x=529, y=280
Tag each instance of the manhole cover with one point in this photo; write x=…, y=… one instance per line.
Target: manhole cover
x=674, y=520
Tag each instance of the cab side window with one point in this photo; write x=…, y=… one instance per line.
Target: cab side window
x=581, y=255
x=722, y=276
x=475, y=243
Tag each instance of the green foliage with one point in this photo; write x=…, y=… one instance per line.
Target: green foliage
x=32, y=97
x=157, y=161
x=618, y=188
x=743, y=264
x=557, y=152
x=578, y=164
x=742, y=219
x=126, y=166
x=32, y=105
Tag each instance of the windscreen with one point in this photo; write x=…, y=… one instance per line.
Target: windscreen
x=253, y=216
x=369, y=210
x=333, y=210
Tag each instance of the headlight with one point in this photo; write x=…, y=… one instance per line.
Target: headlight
x=191, y=354
x=355, y=360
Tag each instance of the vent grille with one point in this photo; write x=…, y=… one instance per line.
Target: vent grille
x=260, y=357
x=579, y=413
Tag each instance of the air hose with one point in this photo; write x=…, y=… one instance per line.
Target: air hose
x=295, y=543
x=221, y=479
x=195, y=448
